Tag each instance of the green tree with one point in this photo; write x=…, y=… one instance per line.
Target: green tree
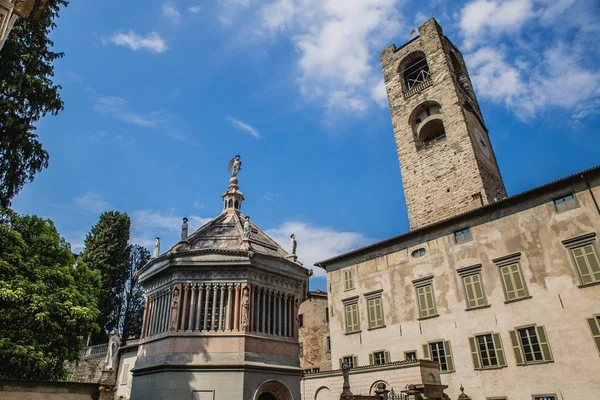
x=133, y=300
x=47, y=299
x=27, y=93
x=106, y=250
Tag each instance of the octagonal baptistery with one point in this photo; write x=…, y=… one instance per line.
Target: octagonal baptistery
x=221, y=315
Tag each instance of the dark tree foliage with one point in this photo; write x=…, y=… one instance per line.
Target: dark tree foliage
x=47, y=299
x=27, y=94
x=106, y=250
x=133, y=296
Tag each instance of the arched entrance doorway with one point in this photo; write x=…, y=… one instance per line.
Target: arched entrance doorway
x=273, y=390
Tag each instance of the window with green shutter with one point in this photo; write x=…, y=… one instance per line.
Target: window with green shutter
x=379, y=357
x=594, y=324
x=511, y=275
x=440, y=352
x=352, y=361
x=425, y=297
x=348, y=279
x=473, y=286
x=487, y=351
x=375, y=312
x=352, y=321
x=584, y=252
x=566, y=202
x=531, y=345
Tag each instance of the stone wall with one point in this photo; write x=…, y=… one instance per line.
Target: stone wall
x=441, y=178
x=314, y=333
x=87, y=369
x=558, y=301
x=40, y=390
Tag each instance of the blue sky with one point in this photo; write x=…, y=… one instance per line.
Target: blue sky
x=159, y=95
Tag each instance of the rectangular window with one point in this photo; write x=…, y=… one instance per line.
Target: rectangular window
x=565, y=203
x=379, y=357
x=463, y=235
x=352, y=322
x=348, y=280
x=410, y=355
x=440, y=352
x=375, y=312
x=328, y=343
x=352, y=361
x=584, y=252
x=531, y=345
x=426, y=301
x=301, y=320
x=544, y=397
x=487, y=351
x=301, y=350
x=594, y=324
x=326, y=314
x=513, y=282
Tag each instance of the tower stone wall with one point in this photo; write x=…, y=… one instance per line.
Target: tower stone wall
x=455, y=172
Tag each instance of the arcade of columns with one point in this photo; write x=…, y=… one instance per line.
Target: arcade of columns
x=221, y=307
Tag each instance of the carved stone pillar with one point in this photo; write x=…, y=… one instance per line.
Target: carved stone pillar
x=159, y=303
x=251, y=309
x=236, y=308
x=206, y=302
x=161, y=312
x=257, y=309
x=275, y=312
x=167, y=310
x=174, y=308
x=213, y=319
x=269, y=304
x=194, y=290
x=229, y=306
x=152, y=319
x=295, y=318
x=221, y=307
x=145, y=320
x=199, y=306
x=263, y=295
x=285, y=314
x=186, y=295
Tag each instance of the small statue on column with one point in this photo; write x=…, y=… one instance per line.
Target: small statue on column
x=293, y=244
x=245, y=310
x=184, y=229
x=156, y=248
x=114, y=343
x=346, y=393
x=246, y=234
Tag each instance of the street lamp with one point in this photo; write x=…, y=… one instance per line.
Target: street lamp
x=10, y=10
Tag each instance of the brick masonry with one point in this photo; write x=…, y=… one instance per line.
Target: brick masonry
x=314, y=332
x=440, y=179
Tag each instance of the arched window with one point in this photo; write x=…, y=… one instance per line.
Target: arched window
x=236, y=205
x=414, y=70
x=230, y=203
x=427, y=123
x=418, y=252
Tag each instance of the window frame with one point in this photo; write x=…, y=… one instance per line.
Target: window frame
x=562, y=197
x=420, y=284
x=326, y=314
x=411, y=352
x=384, y=353
x=352, y=301
x=468, y=272
x=506, y=262
x=328, y=344
x=544, y=396
x=595, y=320
x=448, y=355
x=499, y=352
x=582, y=241
x=352, y=357
x=375, y=296
x=300, y=320
x=462, y=230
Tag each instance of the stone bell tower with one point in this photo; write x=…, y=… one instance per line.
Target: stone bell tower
x=446, y=158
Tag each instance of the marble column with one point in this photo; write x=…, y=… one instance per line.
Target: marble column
x=221, y=307
x=206, y=302
x=213, y=322
x=146, y=318
x=263, y=310
x=251, y=311
x=194, y=290
x=161, y=312
x=294, y=318
x=279, y=313
x=158, y=311
x=151, y=317
x=229, y=305
x=257, y=309
x=269, y=304
x=186, y=290
x=166, y=310
x=236, y=308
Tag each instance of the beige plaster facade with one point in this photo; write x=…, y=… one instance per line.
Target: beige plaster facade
x=313, y=333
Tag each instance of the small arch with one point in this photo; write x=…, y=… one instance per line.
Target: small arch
x=272, y=390
x=431, y=131
x=374, y=386
x=426, y=121
x=323, y=393
x=230, y=203
x=236, y=205
x=414, y=70
x=420, y=252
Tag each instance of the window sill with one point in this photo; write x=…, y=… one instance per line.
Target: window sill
x=447, y=372
x=375, y=328
x=352, y=333
x=478, y=307
x=490, y=368
x=535, y=363
x=519, y=299
x=588, y=284
x=430, y=317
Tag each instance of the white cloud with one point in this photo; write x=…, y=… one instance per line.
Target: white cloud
x=197, y=204
x=170, y=11
x=241, y=125
x=317, y=243
x=269, y=196
x=338, y=42
x=93, y=203
x=151, y=42
x=195, y=9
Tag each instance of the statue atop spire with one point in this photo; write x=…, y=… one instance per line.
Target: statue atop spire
x=235, y=165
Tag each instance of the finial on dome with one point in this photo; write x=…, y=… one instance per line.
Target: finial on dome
x=233, y=198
